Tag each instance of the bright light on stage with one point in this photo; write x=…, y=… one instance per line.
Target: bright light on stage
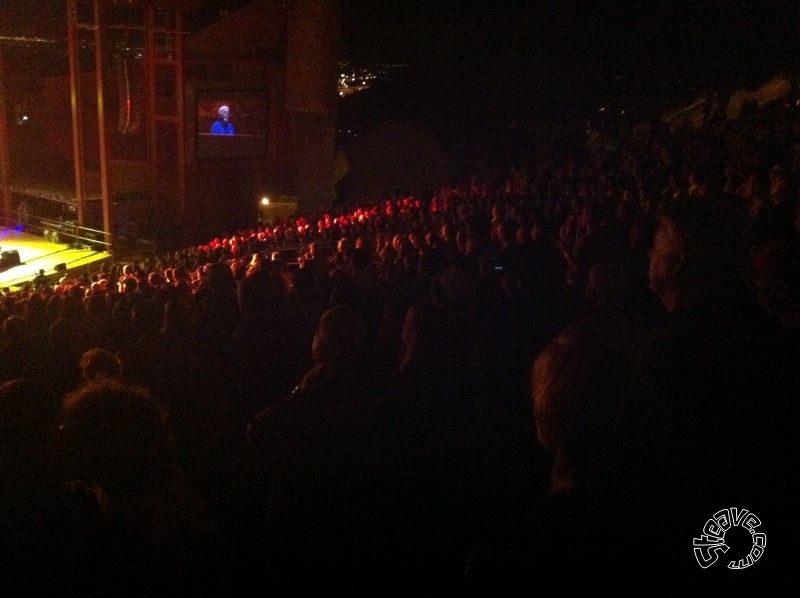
x=265, y=201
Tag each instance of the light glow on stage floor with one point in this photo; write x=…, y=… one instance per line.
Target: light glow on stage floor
x=35, y=253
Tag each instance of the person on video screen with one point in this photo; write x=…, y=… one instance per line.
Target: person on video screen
x=223, y=125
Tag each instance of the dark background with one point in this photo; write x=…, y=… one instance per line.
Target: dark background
x=533, y=49
x=550, y=58
x=483, y=79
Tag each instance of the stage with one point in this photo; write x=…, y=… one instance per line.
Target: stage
x=35, y=253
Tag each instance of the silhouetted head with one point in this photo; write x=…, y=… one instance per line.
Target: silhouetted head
x=340, y=340
x=97, y=364
x=697, y=256
x=116, y=435
x=591, y=408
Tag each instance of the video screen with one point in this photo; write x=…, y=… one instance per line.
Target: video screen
x=231, y=124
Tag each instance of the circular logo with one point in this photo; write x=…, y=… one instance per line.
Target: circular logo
x=711, y=543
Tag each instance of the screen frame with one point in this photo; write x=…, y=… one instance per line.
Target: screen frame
x=252, y=143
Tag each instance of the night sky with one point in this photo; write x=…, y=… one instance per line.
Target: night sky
x=550, y=59
x=699, y=39
x=703, y=38
x=697, y=42
x=692, y=44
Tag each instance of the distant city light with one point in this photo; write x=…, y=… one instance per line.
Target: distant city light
x=359, y=79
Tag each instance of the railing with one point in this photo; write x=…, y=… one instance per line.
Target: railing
x=70, y=233
x=67, y=232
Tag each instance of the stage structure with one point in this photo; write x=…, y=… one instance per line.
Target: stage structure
x=167, y=54
x=112, y=127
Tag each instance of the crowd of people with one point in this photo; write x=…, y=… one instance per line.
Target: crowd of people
x=577, y=362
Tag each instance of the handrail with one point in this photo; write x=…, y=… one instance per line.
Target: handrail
x=68, y=232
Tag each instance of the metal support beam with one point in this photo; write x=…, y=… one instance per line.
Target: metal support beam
x=180, y=111
x=75, y=102
x=150, y=70
x=105, y=192
x=5, y=140
x=174, y=182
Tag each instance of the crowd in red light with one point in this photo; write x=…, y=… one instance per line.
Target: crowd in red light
x=550, y=363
